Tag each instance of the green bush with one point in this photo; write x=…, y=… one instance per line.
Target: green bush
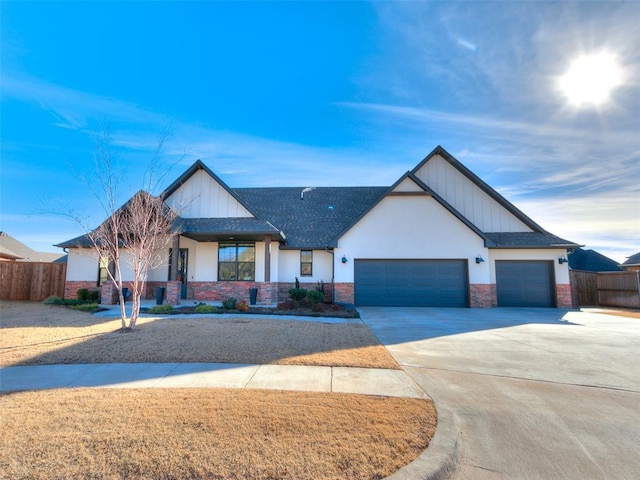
x=82, y=294
x=160, y=309
x=85, y=307
x=314, y=297
x=93, y=295
x=53, y=300
x=229, y=303
x=204, y=308
x=298, y=294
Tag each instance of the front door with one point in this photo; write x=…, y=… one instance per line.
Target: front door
x=183, y=265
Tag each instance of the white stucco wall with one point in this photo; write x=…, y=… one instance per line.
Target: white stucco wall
x=82, y=265
x=561, y=271
x=289, y=267
x=411, y=227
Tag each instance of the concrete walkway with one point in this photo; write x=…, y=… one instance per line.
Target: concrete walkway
x=367, y=381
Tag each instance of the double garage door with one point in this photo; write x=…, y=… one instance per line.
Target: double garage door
x=411, y=283
x=444, y=283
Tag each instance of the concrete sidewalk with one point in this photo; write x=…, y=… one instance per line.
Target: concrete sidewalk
x=366, y=381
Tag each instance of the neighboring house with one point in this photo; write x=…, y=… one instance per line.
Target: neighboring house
x=14, y=250
x=439, y=236
x=632, y=262
x=591, y=261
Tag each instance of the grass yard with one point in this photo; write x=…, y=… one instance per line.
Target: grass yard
x=37, y=334
x=208, y=434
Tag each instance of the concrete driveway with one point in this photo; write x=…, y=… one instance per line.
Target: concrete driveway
x=534, y=393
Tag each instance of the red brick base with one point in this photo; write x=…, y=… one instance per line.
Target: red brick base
x=343, y=293
x=563, y=296
x=482, y=295
x=71, y=288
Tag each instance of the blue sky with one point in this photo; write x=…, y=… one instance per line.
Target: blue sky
x=321, y=93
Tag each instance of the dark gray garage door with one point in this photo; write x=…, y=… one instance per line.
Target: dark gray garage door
x=525, y=283
x=411, y=283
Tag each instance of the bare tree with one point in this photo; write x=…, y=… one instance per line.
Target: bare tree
x=137, y=234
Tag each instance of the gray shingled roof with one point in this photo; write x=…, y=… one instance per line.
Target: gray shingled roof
x=312, y=222
x=591, y=261
x=212, y=228
x=633, y=259
x=526, y=240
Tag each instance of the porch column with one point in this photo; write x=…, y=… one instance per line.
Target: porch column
x=267, y=258
x=175, y=252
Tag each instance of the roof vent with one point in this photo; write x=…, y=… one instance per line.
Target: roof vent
x=305, y=190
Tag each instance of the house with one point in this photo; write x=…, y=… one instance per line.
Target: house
x=14, y=250
x=591, y=261
x=439, y=236
x=632, y=262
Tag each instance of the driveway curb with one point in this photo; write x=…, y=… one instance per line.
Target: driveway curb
x=440, y=459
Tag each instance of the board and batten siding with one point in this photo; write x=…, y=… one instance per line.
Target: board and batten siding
x=467, y=198
x=202, y=197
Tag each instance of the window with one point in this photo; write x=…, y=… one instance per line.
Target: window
x=103, y=275
x=306, y=263
x=236, y=261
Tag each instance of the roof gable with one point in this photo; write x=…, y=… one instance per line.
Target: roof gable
x=409, y=184
x=200, y=193
x=470, y=195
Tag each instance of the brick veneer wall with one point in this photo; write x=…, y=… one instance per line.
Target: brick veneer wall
x=344, y=293
x=219, y=291
x=482, y=295
x=71, y=288
x=563, y=295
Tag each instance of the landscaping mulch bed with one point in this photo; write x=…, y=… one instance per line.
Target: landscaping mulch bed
x=330, y=311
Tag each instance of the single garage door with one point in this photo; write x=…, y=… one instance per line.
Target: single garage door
x=411, y=283
x=525, y=283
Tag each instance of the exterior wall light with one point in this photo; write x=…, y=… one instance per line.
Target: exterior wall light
x=479, y=259
x=562, y=260
x=344, y=259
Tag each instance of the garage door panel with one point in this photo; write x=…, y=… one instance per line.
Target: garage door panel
x=419, y=283
x=525, y=283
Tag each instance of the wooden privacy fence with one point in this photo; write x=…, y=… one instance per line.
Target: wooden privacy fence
x=607, y=289
x=31, y=280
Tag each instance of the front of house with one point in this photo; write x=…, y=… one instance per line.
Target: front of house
x=439, y=236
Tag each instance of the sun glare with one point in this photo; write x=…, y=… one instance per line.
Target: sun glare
x=590, y=79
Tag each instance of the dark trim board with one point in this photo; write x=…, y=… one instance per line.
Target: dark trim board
x=411, y=282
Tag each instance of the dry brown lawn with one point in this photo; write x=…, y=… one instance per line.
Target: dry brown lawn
x=208, y=434
x=36, y=334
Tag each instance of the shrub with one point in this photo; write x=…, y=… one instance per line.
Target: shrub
x=335, y=307
x=314, y=297
x=204, y=308
x=285, y=306
x=85, y=307
x=229, y=303
x=298, y=294
x=82, y=294
x=242, y=306
x=53, y=300
x=93, y=295
x=317, y=307
x=160, y=309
